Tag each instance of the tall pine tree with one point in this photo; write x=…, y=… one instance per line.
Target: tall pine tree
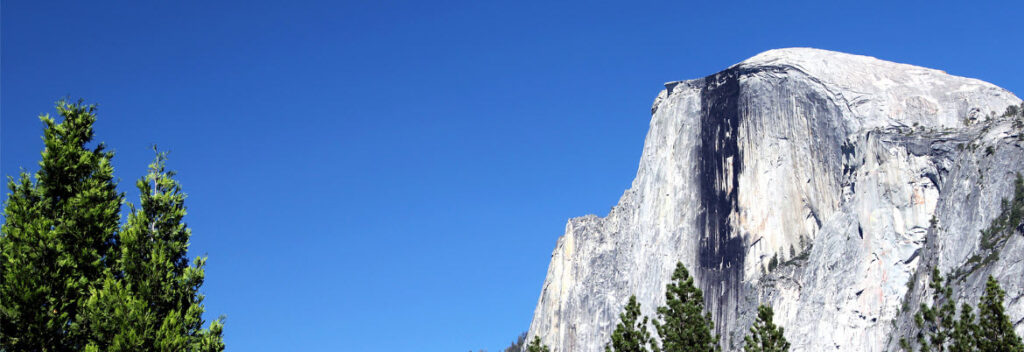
x=962, y=339
x=152, y=290
x=59, y=232
x=994, y=330
x=765, y=336
x=630, y=333
x=73, y=279
x=937, y=323
x=942, y=330
x=682, y=324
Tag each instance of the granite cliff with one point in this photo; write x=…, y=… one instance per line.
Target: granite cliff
x=857, y=174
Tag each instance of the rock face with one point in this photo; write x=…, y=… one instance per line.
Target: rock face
x=835, y=164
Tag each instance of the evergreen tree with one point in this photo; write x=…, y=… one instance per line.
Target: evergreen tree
x=537, y=346
x=73, y=279
x=963, y=339
x=936, y=323
x=152, y=289
x=774, y=262
x=682, y=323
x=630, y=334
x=941, y=330
x=765, y=336
x=59, y=232
x=994, y=330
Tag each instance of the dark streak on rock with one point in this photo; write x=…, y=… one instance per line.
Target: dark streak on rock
x=935, y=180
x=722, y=252
x=912, y=256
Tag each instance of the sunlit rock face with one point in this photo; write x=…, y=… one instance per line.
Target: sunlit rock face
x=834, y=164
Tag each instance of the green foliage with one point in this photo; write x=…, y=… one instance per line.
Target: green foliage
x=1009, y=218
x=59, y=232
x=963, y=339
x=1006, y=223
x=942, y=330
x=682, y=323
x=153, y=279
x=805, y=251
x=630, y=333
x=1017, y=113
x=537, y=346
x=765, y=336
x=773, y=263
x=73, y=280
x=994, y=330
x=936, y=323
x=1011, y=111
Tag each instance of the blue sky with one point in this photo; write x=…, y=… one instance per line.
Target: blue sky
x=393, y=176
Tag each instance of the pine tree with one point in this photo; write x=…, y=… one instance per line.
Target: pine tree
x=152, y=282
x=994, y=330
x=630, y=333
x=765, y=336
x=73, y=279
x=936, y=323
x=962, y=338
x=774, y=262
x=942, y=330
x=682, y=323
x=537, y=346
x=59, y=232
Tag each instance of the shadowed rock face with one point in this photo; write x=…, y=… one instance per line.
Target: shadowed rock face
x=834, y=163
x=720, y=251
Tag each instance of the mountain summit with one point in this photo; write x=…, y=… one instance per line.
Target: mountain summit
x=856, y=175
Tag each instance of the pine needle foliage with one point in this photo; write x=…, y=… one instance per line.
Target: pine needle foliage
x=940, y=329
x=73, y=278
x=630, y=333
x=765, y=336
x=994, y=329
x=59, y=233
x=682, y=324
x=152, y=289
x=537, y=346
x=936, y=323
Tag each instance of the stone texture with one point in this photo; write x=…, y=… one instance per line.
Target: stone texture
x=834, y=163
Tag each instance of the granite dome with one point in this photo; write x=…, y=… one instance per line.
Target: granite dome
x=834, y=163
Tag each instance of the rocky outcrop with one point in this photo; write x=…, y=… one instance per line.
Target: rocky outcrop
x=857, y=174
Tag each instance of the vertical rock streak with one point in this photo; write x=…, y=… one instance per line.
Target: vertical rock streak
x=721, y=252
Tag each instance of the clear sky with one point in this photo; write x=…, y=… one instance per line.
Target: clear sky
x=392, y=176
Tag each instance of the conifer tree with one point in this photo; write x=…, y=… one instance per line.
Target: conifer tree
x=152, y=290
x=630, y=333
x=58, y=234
x=765, y=336
x=537, y=346
x=942, y=330
x=994, y=330
x=936, y=323
x=962, y=338
x=682, y=324
x=72, y=279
